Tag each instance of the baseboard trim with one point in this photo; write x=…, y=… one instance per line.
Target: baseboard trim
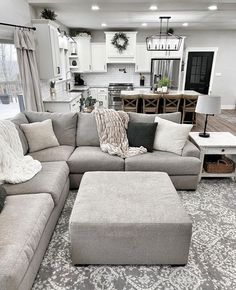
x=228, y=107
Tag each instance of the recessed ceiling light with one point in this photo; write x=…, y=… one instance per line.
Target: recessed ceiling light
x=103, y=24
x=144, y=24
x=212, y=7
x=95, y=7
x=153, y=7
x=185, y=24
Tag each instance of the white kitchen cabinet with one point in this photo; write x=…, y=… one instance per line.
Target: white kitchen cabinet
x=62, y=105
x=98, y=52
x=47, y=49
x=127, y=56
x=84, y=53
x=143, y=59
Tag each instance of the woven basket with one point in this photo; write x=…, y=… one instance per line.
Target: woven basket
x=222, y=165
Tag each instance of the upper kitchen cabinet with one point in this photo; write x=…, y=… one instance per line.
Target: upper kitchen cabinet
x=47, y=49
x=84, y=53
x=98, y=51
x=126, y=56
x=143, y=59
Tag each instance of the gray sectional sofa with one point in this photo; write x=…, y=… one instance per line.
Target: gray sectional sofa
x=33, y=207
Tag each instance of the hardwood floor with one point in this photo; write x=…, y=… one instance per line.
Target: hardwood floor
x=226, y=122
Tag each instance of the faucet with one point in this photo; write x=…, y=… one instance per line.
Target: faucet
x=68, y=81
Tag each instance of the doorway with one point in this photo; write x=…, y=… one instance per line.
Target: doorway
x=199, y=69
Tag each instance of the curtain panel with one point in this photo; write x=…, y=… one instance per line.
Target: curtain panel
x=25, y=45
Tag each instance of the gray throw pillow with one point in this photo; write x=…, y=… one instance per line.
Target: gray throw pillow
x=40, y=135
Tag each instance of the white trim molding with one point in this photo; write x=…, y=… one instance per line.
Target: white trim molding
x=228, y=107
x=201, y=49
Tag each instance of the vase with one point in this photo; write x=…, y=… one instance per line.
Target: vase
x=165, y=89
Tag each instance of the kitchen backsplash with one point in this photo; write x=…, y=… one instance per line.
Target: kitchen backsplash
x=113, y=75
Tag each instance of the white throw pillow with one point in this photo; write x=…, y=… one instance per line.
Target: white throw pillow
x=170, y=136
x=40, y=135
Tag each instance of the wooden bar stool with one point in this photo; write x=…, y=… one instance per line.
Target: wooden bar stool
x=171, y=103
x=130, y=102
x=189, y=106
x=151, y=103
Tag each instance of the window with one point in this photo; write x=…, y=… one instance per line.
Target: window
x=11, y=98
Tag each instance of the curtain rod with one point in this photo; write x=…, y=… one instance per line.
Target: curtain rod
x=15, y=25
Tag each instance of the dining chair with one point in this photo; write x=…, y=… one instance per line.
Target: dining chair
x=130, y=102
x=151, y=103
x=189, y=106
x=171, y=103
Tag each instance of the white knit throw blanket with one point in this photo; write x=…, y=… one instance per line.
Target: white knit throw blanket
x=14, y=166
x=111, y=126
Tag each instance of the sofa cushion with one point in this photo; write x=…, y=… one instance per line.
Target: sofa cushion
x=170, y=136
x=18, y=120
x=87, y=134
x=64, y=124
x=150, y=118
x=51, y=179
x=168, y=162
x=60, y=153
x=22, y=223
x=190, y=150
x=89, y=158
x=40, y=135
x=141, y=134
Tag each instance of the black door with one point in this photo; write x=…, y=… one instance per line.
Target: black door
x=199, y=71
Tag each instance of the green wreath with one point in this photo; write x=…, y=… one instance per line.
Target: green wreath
x=120, y=41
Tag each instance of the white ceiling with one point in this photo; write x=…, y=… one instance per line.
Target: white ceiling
x=131, y=13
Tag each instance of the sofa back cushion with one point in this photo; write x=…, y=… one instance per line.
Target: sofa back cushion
x=64, y=125
x=18, y=120
x=87, y=134
x=150, y=118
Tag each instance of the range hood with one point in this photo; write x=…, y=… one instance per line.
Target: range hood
x=127, y=55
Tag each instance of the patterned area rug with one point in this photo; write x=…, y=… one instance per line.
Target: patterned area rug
x=212, y=259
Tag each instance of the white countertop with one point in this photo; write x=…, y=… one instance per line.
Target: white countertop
x=171, y=92
x=63, y=97
x=80, y=88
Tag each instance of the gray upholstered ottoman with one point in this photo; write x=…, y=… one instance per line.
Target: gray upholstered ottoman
x=129, y=218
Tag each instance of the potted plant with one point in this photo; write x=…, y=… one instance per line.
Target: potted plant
x=89, y=104
x=164, y=84
x=48, y=14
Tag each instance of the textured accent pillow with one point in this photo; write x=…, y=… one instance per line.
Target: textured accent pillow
x=3, y=195
x=141, y=134
x=40, y=135
x=170, y=136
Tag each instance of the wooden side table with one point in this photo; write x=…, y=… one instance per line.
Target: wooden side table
x=219, y=143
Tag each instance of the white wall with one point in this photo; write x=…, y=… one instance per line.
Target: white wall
x=223, y=85
x=15, y=12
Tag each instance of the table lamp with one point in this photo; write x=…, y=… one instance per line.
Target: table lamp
x=209, y=105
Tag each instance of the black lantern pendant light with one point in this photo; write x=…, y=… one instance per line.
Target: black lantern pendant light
x=165, y=41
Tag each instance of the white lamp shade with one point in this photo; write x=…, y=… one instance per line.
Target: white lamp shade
x=208, y=105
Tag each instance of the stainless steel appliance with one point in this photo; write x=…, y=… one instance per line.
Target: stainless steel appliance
x=169, y=68
x=114, y=89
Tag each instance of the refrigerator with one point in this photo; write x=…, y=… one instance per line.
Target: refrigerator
x=170, y=68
